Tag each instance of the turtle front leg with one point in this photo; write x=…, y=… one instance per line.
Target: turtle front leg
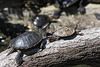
x=53, y=38
x=42, y=44
x=18, y=58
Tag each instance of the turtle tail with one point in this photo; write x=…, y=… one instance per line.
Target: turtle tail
x=77, y=31
x=10, y=51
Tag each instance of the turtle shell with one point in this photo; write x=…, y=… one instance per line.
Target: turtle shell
x=62, y=3
x=64, y=32
x=26, y=40
x=40, y=20
x=71, y=2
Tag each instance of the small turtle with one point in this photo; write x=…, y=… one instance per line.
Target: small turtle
x=63, y=32
x=26, y=42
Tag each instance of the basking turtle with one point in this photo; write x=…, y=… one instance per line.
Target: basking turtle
x=26, y=42
x=63, y=32
x=63, y=5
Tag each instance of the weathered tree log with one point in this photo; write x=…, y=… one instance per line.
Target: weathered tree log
x=81, y=49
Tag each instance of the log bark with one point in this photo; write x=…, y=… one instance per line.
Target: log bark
x=79, y=50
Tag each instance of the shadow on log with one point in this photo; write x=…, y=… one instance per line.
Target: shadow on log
x=80, y=50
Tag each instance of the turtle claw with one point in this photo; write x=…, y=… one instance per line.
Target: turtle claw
x=40, y=50
x=19, y=59
x=19, y=62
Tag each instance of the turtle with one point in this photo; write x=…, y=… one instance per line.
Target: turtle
x=63, y=32
x=40, y=21
x=64, y=5
x=25, y=43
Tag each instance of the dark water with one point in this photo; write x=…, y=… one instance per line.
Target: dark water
x=3, y=45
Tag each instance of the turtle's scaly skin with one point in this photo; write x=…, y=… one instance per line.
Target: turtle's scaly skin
x=64, y=32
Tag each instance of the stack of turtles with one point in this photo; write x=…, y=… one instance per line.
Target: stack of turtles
x=29, y=40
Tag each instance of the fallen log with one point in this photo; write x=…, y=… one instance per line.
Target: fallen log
x=76, y=50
